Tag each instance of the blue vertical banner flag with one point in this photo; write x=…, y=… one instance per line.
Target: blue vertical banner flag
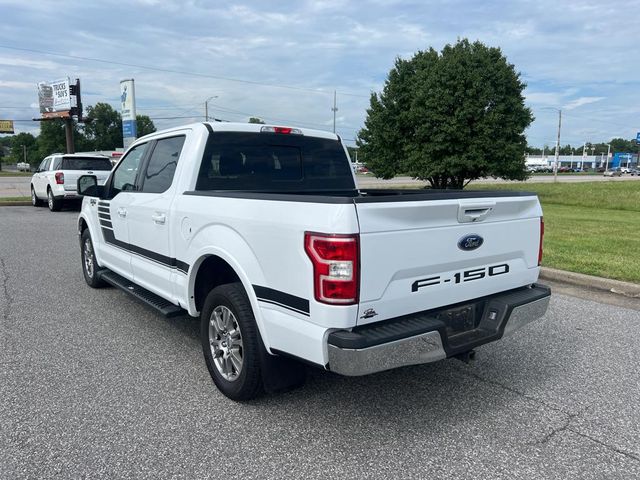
x=128, y=111
x=638, y=137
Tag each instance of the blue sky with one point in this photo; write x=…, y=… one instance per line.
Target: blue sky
x=581, y=56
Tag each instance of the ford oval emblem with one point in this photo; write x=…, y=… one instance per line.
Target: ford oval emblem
x=470, y=242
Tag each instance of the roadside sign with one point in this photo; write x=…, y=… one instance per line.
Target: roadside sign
x=6, y=126
x=54, y=96
x=128, y=111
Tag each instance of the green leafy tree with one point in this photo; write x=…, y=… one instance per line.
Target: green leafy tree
x=104, y=131
x=52, y=138
x=144, y=125
x=533, y=150
x=622, y=145
x=18, y=144
x=256, y=120
x=449, y=118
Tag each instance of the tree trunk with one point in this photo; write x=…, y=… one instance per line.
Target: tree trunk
x=441, y=182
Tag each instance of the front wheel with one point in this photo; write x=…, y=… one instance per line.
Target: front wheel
x=89, y=262
x=230, y=342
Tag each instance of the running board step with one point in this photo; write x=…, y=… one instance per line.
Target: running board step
x=159, y=304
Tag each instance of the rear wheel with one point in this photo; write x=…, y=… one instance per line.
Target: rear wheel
x=53, y=203
x=89, y=262
x=35, y=201
x=230, y=342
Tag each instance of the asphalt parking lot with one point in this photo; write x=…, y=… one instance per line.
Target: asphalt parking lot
x=95, y=385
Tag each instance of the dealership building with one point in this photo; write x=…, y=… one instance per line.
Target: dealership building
x=616, y=160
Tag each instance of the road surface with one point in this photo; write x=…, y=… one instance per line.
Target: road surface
x=95, y=385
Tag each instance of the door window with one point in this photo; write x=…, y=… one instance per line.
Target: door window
x=124, y=178
x=159, y=173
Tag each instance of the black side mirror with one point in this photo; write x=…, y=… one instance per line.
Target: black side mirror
x=88, y=186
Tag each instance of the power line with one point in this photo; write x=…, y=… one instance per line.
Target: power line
x=179, y=72
x=288, y=120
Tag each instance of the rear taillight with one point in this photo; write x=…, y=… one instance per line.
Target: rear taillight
x=59, y=178
x=335, y=260
x=541, y=240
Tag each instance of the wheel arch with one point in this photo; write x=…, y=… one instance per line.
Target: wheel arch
x=84, y=224
x=216, y=267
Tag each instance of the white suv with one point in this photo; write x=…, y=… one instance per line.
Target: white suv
x=56, y=176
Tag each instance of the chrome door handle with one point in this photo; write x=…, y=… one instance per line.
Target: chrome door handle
x=122, y=212
x=159, y=218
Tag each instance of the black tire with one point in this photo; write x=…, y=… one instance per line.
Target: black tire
x=247, y=383
x=53, y=203
x=35, y=201
x=87, y=251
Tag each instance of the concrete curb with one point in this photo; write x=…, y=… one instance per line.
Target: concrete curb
x=627, y=289
x=21, y=203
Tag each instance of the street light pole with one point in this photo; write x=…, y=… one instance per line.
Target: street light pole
x=555, y=170
x=334, y=110
x=206, y=107
x=606, y=167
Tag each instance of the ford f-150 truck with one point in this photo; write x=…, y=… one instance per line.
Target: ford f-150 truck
x=262, y=232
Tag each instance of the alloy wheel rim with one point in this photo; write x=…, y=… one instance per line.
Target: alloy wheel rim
x=33, y=197
x=225, y=341
x=88, y=258
x=50, y=199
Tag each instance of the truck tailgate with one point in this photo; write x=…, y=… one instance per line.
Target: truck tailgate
x=424, y=254
x=71, y=177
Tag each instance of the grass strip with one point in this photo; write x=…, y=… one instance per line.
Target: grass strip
x=4, y=173
x=590, y=228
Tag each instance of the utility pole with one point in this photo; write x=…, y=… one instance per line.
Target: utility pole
x=334, y=110
x=68, y=133
x=24, y=153
x=206, y=107
x=555, y=169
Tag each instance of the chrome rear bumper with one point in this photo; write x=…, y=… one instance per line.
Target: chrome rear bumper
x=501, y=316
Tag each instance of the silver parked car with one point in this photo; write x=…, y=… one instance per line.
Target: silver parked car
x=616, y=172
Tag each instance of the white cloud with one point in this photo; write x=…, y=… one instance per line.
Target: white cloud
x=29, y=63
x=572, y=54
x=578, y=102
x=17, y=85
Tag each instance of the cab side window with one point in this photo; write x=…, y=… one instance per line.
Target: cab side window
x=57, y=161
x=124, y=178
x=161, y=168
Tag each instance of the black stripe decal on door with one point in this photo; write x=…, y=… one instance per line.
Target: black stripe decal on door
x=170, y=262
x=282, y=299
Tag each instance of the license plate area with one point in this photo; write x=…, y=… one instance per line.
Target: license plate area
x=461, y=319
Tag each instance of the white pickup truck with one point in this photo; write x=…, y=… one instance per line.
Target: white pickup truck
x=262, y=232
